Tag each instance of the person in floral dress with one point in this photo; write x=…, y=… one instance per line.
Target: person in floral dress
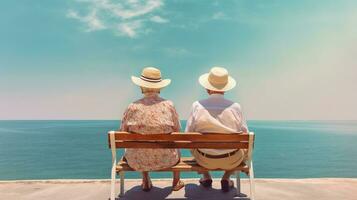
x=152, y=115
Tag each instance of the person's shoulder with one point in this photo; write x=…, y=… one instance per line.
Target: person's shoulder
x=232, y=104
x=132, y=105
x=236, y=107
x=196, y=104
x=137, y=101
x=203, y=102
x=167, y=102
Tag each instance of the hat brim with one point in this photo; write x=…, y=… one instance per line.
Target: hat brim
x=142, y=83
x=203, y=80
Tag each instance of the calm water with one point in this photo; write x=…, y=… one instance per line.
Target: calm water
x=78, y=149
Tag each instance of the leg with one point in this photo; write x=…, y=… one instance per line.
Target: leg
x=202, y=161
x=176, y=183
x=226, y=183
x=206, y=175
x=251, y=179
x=206, y=180
x=121, y=174
x=146, y=177
x=176, y=177
x=227, y=174
x=146, y=185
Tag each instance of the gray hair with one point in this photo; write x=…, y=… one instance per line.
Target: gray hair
x=145, y=90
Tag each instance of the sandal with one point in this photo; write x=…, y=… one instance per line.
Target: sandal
x=180, y=184
x=207, y=183
x=226, y=185
x=146, y=186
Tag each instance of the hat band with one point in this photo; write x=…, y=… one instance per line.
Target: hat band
x=152, y=80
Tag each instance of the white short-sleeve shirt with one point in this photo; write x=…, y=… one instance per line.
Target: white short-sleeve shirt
x=216, y=115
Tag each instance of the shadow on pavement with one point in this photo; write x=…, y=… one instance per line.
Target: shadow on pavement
x=191, y=191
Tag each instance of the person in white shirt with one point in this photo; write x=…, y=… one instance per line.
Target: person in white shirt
x=217, y=115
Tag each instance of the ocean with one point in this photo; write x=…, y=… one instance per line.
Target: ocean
x=78, y=150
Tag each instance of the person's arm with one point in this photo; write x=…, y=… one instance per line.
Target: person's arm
x=242, y=123
x=124, y=122
x=175, y=118
x=190, y=121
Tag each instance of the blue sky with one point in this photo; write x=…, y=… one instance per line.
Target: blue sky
x=72, y=59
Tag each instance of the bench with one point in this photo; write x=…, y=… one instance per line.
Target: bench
x=193, y=140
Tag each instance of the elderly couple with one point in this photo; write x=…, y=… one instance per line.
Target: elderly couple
x=153, y=114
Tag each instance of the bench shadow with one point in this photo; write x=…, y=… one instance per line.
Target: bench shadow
x=155, y=193
x=192, y=191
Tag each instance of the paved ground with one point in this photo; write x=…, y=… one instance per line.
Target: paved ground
x=266, y=189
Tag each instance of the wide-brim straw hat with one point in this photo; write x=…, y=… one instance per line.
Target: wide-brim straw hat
x=217, y=79
x=151, y=78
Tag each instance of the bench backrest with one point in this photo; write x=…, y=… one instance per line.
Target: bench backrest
x=190, y=140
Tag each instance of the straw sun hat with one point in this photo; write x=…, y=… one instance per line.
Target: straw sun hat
x=151, y=78
x=217, y=79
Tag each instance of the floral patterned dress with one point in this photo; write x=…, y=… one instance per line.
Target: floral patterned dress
x=151, y=115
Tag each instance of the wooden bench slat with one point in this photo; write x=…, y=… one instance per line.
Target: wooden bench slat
x=185, y=164
x=182, y=145
x=177, y=136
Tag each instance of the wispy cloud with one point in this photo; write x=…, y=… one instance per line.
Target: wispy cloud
x=219, y=16
x=158, y=19
x=129, y=29
x=126, y=18
x=92, y=21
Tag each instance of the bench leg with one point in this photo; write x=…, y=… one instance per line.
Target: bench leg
x=112, y=188
x=238, y=182
x=251, y=180
x=122, y=177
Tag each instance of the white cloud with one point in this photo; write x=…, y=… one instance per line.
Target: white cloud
x=92, y=21
x=129, y=8
x=129, y=29
x=219, y=15
x=158, y=19
x=126, y=18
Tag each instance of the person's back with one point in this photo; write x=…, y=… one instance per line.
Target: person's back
x=217, y=115
x=152, y=115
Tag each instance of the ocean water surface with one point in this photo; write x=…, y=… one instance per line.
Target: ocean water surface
x=79, y=149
